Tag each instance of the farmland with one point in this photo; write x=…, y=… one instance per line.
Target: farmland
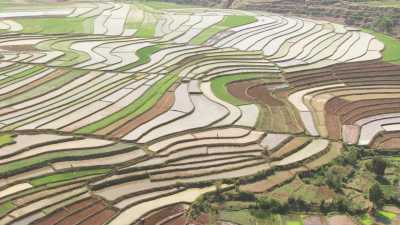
x=145, y=112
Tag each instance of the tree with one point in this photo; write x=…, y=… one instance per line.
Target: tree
x=384, y=24
x=334, y=178
x=379, y=166
x=376, y=196
x=269, y=205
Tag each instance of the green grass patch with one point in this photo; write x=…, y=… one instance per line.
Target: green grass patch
x=6, y=139
x=228, y=22
x=366, y=220
x=293, y=222
x=54, y=25
x=71, y=56
x=24, y=74
x=392, y=46
x=142, y=104
x=218, y=86
x=6, y=207
x=144, y=56
x=386, y=215
x=66, y=176
x=145, y=25
x=245, y=217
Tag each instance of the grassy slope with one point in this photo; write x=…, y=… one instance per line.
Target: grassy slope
x=25, y=74
x=66, y=176
x=6, y=207
x=145, y=102
x=70, y=56
x=146, y=25
x=218, y=86
x=53, y=25
x=392, y=46
x=144, y=56
x=228, y=22
x=245, y=217
x=6, y=139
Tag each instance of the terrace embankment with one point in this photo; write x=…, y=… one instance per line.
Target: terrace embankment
x=350, y=101
x=277, y=114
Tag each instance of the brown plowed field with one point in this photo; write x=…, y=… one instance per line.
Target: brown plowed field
x=387, y=141
x=263, y=95
x=313, y=220
x=163, y=213
x=289, y=148
x=340, y=219
x=19, y=48
x=277, y=112
x=353, y=74
x=239, y=89
x=340, y=112
x=82, y=214
x=81, y=204
x=268, y=183
x=76, y=212
x=181, y=220
x=53, y=218
x=100, y=218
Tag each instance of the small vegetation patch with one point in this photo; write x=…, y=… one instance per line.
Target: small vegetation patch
x=66, y=176
x=54, y=25
x=218, y=86
x=365, y=219
x=144, y=56
x=6, y=207
x=391, y=52
x=6, y=139
x=386, y=215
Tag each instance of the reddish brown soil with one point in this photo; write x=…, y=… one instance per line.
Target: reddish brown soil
x=279, y=116
x=163, y=213
x=81, y=204
x=82, y=214
x=181, y=220
x=100, y=218
x=53, y=218
x=65, y=212
x=124, y=126
x=53, y=75
x=263, y=95
x=239, y=89
x=366, y=73
x=313, y=220
x=200, y=220
x=387, y=141
x=19, y=48
x=339, y=112
x=289, y=148
x=340, y=219
x=269, y=183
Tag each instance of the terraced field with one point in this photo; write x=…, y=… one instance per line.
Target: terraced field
x=110, y=112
